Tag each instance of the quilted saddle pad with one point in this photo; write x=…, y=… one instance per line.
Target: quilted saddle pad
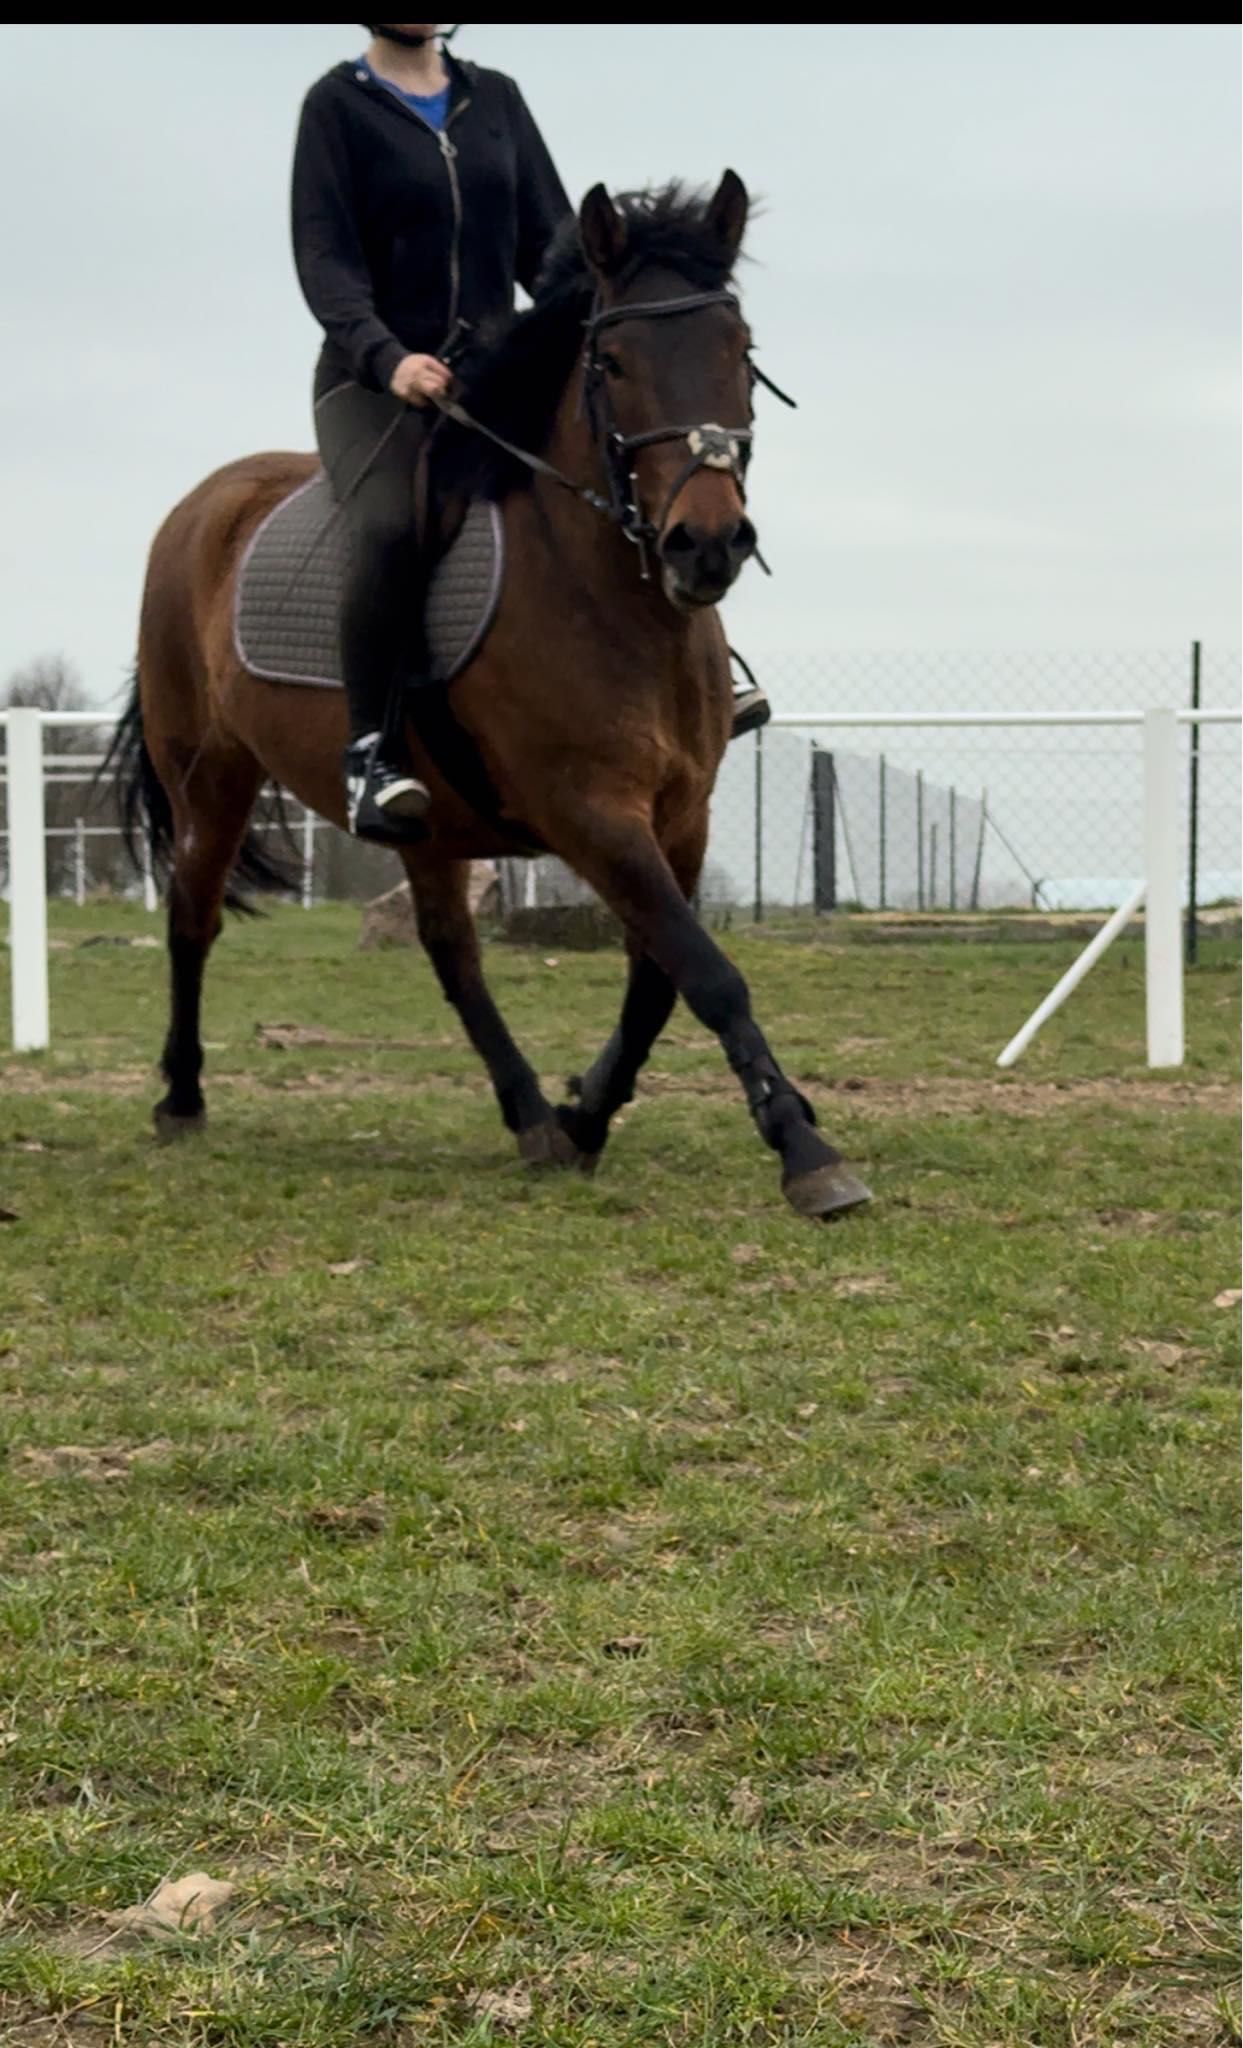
x=285, y=623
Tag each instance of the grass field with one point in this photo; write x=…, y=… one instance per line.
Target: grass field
x=613, y=1612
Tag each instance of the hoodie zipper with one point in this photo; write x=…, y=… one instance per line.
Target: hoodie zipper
x=449, y=158
x=449, y=153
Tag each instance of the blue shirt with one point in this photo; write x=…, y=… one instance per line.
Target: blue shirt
x=432, y=107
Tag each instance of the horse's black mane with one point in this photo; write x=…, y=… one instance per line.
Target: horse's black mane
x=513, y=379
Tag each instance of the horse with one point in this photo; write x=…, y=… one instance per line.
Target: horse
x=599, y=703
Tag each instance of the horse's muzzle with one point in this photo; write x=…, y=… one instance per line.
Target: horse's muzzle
x=699, y=567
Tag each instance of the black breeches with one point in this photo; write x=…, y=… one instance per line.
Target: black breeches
x=369, y=443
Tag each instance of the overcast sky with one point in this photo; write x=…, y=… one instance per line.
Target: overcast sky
x=999, y=266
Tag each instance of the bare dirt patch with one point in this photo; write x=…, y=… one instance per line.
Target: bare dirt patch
x=947, y=1095
x=98, y=1463
x=951, y=1095
x=868, y=1095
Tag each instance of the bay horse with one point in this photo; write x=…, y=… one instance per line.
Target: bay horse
x=599, y=702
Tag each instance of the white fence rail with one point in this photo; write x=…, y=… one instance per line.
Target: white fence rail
x=1160, y=886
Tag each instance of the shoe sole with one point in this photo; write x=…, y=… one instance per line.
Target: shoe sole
x=751, y=718
x=391, y=831
x=403, y=800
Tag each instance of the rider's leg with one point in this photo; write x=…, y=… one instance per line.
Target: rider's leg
x=370, y=444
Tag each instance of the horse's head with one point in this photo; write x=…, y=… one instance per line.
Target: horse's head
x=668, y=386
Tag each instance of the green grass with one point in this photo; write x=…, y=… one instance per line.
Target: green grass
x=615, y=1612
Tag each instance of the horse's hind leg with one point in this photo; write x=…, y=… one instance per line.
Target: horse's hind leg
x=447, y=930
x=211, y=798
x=609, y=1082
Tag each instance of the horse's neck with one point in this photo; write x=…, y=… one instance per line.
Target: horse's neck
x=648, y=653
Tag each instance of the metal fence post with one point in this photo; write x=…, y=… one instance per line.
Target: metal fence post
x=149, y=899
x=979, y=851
x=79, y=861
x=919, y=839
x=758, y=907
x=953, y=848
x=823, y=832
x=27, y=879
x=932, y=867
x=1193, y=816
x=881, y=826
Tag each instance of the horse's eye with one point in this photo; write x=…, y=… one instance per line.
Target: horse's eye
x=611, y=366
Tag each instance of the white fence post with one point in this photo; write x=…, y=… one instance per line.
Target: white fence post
x=27, y=880
x=79, y=861
x=1160, y=890
x=308, y=859
x=150, y=901
x=1163, y=948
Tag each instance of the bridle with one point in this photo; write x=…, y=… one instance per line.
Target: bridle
x=710, y=446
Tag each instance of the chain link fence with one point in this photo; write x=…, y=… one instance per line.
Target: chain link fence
x=963, y=817
x=923, y=818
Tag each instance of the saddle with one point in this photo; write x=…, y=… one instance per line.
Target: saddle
x=286, y=621
x=288, y=603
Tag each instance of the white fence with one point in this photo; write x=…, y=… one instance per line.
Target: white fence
x=1159, y=887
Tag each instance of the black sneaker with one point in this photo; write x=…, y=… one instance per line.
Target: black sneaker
x=382, y=802
x=751, y=710
x=751, y=707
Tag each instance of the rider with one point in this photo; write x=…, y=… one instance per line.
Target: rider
x=422, y=191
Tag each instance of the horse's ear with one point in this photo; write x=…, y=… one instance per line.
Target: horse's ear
x=603, y=231
x=727, y=213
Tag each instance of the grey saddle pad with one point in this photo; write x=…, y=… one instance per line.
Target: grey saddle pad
x=285, y=624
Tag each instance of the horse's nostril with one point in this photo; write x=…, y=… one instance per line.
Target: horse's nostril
x=680, y=541
x=743, y=542
x=687, y=548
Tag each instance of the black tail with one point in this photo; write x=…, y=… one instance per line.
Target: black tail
x=147, y=816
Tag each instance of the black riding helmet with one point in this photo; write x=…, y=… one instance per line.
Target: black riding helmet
x=390, y=34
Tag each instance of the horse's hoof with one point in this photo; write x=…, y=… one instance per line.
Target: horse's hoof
x=587, y=1134
x=826, y=1193
x=548, y=1144
x=171, y=1128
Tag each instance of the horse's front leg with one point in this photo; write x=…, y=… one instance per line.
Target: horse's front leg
x=650, y=996
x=618, y=854
x=448, y=933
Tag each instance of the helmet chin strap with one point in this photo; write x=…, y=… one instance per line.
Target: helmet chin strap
x=398, y=35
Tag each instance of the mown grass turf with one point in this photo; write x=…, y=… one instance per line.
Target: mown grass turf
x=613, y=1612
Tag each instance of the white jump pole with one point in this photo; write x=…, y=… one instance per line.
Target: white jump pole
x=27, y=880
x=1163, y=938
x=1074, y=975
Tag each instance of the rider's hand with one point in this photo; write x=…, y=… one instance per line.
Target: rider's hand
x=418, y=378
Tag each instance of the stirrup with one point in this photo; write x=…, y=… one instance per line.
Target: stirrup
x=751, y=707
x=751, y=710
x=383, y=803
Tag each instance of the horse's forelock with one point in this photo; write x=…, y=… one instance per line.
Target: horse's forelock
x=516, y=381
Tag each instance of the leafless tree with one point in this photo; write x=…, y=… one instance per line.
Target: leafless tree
x=50, y=682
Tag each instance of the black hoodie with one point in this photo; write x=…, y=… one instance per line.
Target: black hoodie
x=401, y=233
